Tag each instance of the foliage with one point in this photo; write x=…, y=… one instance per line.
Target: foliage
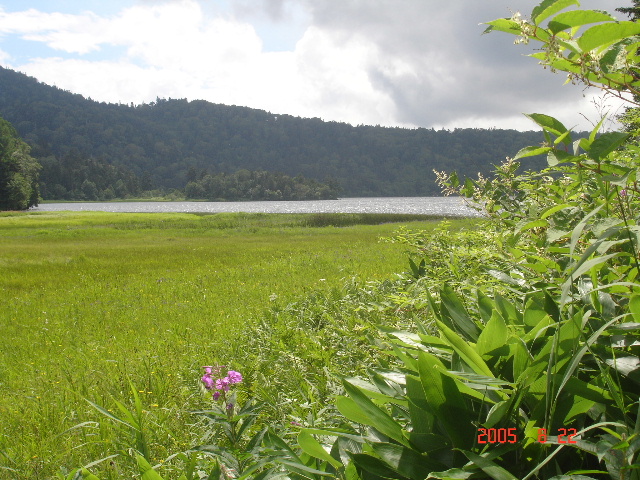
x=536, y=377
x=238, y=449
x=604, y=55
x=148, y=297
x=514, y=355
x=630, y=119
x=75, y=177
x=18, y=171
x=260, y=185
x=166, y=144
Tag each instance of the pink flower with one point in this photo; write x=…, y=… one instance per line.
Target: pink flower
x=223, y=384
x=234, y=377
x=208, y=381
x=220, y=384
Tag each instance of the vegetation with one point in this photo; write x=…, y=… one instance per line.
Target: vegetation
x=18, y=171
x=536, y=377
x=93, y=301
x=262, y=185
x=508, y=350
x=126, y=150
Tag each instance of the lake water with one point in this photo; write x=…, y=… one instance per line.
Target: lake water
x=445, y=206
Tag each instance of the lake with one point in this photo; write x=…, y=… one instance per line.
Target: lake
x=445, y=206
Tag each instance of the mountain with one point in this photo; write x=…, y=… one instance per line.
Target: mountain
x=89, y=148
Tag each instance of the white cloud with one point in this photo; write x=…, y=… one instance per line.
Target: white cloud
x=401, y=62
x=174, y=50
x=5, y=57
x=334, y=71
x=65, y=32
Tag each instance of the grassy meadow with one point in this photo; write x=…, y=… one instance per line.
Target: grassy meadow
x=94, y=301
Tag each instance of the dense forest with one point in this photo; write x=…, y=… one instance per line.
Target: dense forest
x=97, y=150
x=18, y=171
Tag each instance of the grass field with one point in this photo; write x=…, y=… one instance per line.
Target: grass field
x=91, y=301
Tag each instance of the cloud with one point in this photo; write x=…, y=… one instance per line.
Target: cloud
x=174, y=50
x=4, y=57
x=389, y=62
x=435, y=66
x=66, y=32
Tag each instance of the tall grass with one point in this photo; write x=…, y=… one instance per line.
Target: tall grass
x=92, y=301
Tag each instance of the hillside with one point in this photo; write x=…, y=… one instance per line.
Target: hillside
x=165, y=144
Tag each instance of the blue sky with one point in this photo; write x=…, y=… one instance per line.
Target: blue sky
x=390, y=62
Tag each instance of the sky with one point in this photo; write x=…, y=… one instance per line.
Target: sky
x=405, y=63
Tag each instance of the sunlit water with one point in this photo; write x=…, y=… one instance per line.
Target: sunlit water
x=445, y=206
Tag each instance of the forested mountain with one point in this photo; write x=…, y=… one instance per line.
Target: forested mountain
x=92, y=149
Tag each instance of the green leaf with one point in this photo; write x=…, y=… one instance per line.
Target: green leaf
x=445, y=402
x=577, y=18
x=375, y=466
x=628, y=366
x=147, y=471
x=584, y=267
x=372, y=390
x=581, y=143
x=299, y=467
x=490, y=468
x=607, y=33
x=87, y=475
x=372, y=415
x=521, y=359
x=421, y=418
x=451, y=474
x=555, y=156
x=531, y=151
x=485, y=306
x=573, y=477
x=314, y=448
x=493, y=336
x=335, y=432
x=579, y=228
x=577, y=357
x=548, y=8
x=530, y=224
x=453, y=306
x=555, y=208
x=108, y=414
x=634, y=307
x=549, y=124
x=503, y=25
x=497, y=413
x=606, y=143
x=405, y=461
x=216, y=471
x=539, y=329
x=466, y=352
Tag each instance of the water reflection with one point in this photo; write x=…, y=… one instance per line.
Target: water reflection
x=446, y=206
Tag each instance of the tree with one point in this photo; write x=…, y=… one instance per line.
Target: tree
x=631, y=117
x=604, y=56
x=18, y=171
x=633, y=12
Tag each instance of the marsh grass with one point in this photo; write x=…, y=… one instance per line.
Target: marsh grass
x=93, y=301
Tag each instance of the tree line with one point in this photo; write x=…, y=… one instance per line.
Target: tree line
x=258, y=185
x=126, y=150
x=18, y=171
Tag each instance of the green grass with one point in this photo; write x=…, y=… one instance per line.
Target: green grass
x=93, y=300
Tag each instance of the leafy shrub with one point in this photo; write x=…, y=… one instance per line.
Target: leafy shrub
x=537, y=377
